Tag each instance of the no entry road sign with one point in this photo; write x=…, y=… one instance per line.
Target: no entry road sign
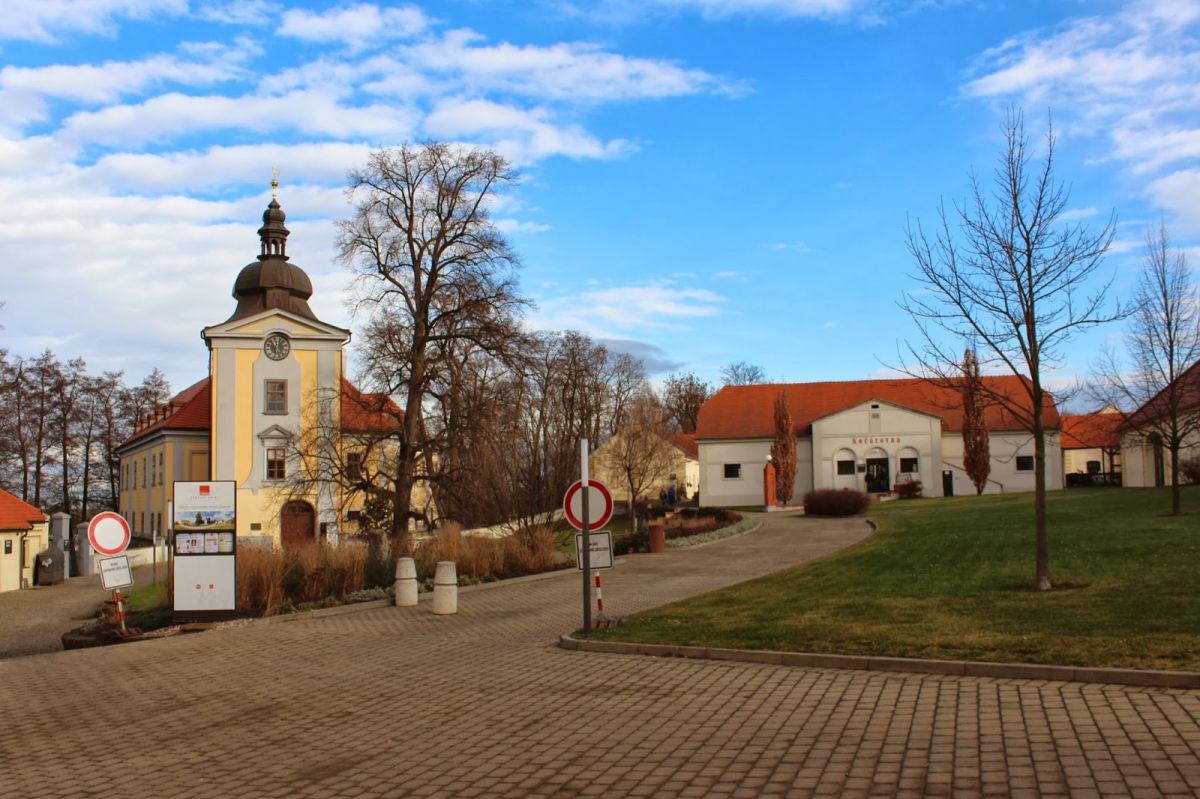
x=600, y=505
x=108, y=533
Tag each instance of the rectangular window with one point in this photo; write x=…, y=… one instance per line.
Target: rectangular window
x=908, y=465
x=733, y=471
x=1024, y=463
x=353, y=515
x=276, y=463
x=845, y=467
x=153, y=471
x=354, y=466
x=162, y=472
x=275, y=396
x=145, y=469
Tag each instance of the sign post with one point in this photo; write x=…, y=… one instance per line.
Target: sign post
x=108, y=533
x=577, y=505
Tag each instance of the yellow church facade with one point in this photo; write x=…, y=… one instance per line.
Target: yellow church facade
x=276, y=374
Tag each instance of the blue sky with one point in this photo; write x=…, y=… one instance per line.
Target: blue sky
x=704, y=181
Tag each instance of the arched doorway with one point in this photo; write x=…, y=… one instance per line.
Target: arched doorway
x=297, y=524
x=879, y=476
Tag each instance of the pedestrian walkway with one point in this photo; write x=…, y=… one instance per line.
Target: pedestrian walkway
x=398, y=702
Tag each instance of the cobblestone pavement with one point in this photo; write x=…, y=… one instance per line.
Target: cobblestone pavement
x=398, y=702
x=33, y=620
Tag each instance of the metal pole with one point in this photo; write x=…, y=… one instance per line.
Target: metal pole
x=586, y=555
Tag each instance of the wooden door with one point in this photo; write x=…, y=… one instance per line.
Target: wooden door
x=296, y=524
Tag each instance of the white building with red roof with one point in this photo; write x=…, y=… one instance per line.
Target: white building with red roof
x=24, y=532
x=866, y=435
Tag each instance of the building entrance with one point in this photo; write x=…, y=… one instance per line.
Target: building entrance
x=296, y=524
x=878, y=479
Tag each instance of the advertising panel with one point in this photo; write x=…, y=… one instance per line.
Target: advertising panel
x=204, y=526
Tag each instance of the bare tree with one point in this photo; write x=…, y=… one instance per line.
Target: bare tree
x=682, y=395
x=432, y=270
x=977, y=457
x=641, y=451
x=1163, y=342
x=742, y=373
x=783, y=450
x=1009, y=273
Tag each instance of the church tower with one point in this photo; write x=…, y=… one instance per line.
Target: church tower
x=274, y=370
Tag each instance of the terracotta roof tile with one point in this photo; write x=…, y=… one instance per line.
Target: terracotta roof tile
x=1091, y=430
x=1156, y=408
x=190, y=409
x=686, y=443
x=16, y=514
x=749, y=411
x=368, y=413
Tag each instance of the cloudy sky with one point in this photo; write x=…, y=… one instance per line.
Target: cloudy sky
x=704, y=181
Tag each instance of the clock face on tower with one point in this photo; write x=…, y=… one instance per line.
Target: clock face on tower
x=276, y=347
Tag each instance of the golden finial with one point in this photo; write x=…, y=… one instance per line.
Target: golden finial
x=275, y=184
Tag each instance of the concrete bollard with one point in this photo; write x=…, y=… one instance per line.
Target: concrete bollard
x=445, y=588
x=406, y=583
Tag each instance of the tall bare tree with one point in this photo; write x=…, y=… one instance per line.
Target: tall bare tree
x=1162, y=343
x=783, y=450
x=682, y=395
x=641, y=452
x=742, y=373
x=977, y=456
x=432, y=270
x=1009, y=272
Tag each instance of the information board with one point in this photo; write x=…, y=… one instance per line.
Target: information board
x=115, y=572
x=600, y=550
x=204, y=552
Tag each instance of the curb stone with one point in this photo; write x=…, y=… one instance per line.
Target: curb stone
x=1017, y=671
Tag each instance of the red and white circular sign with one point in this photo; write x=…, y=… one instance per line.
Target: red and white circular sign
x=108, y=533
x=600, y=505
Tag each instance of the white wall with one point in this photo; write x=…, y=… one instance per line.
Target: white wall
x=718, y=490
x=902, y=430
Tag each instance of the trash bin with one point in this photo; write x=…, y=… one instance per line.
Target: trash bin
x=50, y=566
x=658, y=536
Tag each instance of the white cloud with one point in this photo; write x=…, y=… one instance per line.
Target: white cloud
x=108, y=81
x=311, y=112
x=359, y=26
x=46, y=20
x=630, y=10
x=578, y=72
x=614, y=312
x=521, y=134
x=239, y=12
x=1133, y=75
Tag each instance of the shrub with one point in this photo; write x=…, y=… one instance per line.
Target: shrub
x=909, y=490
x=1189, y=471
x=832, y=502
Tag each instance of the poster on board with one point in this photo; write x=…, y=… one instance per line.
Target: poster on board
x=204, y=523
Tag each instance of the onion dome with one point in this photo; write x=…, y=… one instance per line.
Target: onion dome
x=272, y=282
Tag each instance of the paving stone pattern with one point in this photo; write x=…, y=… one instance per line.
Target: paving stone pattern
x=399, y=702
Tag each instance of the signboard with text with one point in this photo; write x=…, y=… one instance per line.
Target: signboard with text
x=600, y=550
x=204, y=551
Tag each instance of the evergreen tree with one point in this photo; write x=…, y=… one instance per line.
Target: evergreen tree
x=783, y=450
x=977, y=458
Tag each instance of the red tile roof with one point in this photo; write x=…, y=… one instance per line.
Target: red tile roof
x=686, y=443
x=1091, y=430
x=16, y=514
x=749, y=411
x=190, y=409
x=1156, y=409
x=368, y=413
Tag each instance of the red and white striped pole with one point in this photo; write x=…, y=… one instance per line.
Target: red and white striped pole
x=120, y=609
x=599, y=596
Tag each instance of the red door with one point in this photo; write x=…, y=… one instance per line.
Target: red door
x=297, y=524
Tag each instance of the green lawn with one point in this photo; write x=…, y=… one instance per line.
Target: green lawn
x=953, y=578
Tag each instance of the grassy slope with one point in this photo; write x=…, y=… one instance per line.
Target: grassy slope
x=953, y=578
